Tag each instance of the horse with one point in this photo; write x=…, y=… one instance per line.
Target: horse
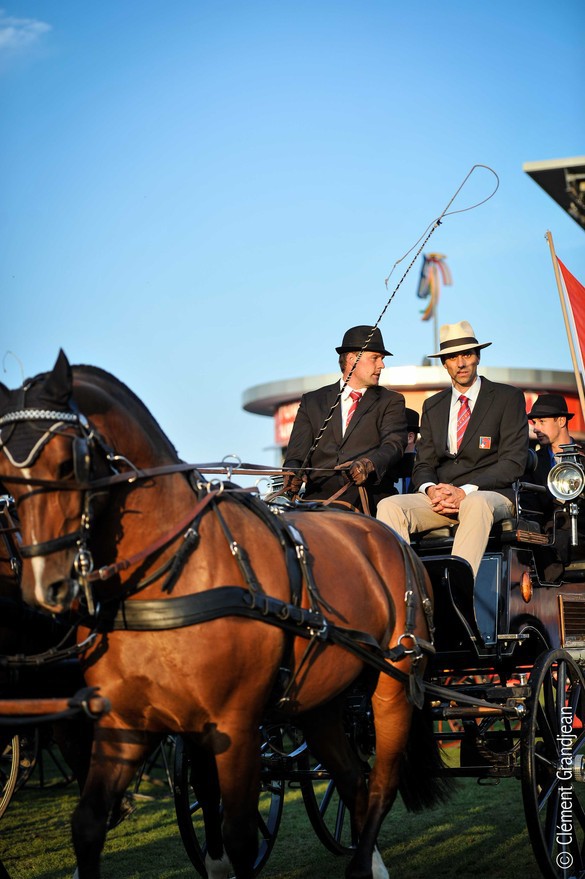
x=200, y=610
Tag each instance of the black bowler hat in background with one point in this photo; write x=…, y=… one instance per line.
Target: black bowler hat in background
x=355, y=340
x=550, y=406
x=412, y=420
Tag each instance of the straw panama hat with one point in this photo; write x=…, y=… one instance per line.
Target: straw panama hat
x=457, y=337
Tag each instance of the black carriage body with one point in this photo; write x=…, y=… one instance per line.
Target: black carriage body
x=515, y=646
x=508, y=617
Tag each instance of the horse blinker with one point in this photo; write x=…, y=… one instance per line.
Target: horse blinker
x=81, y=459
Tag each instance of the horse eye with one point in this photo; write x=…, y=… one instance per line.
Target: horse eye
x=65, y=469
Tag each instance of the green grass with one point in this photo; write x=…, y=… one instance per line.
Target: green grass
x=480, y=833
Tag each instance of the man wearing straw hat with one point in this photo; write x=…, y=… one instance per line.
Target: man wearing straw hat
x=351, y=433
x=473, y=446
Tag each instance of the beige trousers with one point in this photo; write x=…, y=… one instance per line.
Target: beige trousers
x=409, y=513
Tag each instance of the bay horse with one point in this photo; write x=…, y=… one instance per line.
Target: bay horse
x=188, y=587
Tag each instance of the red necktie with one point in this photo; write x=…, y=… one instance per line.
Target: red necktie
x=462, y=419
x=356, y=397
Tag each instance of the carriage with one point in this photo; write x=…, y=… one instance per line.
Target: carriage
x=316, y=659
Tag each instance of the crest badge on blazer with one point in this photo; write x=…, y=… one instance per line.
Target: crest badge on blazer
x=485, y=442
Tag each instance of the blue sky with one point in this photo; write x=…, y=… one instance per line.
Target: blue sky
x=202, y=196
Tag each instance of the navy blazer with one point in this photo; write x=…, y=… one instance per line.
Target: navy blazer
x=377, y=431
x=494, y=450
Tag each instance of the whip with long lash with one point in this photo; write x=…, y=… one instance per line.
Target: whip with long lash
x=424, y=238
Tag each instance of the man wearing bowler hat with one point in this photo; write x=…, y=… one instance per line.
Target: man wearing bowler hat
x=362, y=428
x=550, y=419
x=473, y=446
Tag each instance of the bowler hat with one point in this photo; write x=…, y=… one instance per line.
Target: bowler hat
x=355, y=340
x=412, y=420
x=457, y=337
x=550, y=406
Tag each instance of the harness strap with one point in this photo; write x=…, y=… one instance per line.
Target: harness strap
x=50, y=546
x=201, y=607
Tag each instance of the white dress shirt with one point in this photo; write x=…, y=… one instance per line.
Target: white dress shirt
x=346, y=403
x=471, y=394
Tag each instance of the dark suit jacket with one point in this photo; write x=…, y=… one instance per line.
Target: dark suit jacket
x=377, y=431
x=495, y=446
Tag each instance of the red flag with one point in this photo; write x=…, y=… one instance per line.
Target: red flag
x=572, y=296
x=576, y=302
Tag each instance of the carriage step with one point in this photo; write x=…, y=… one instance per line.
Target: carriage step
x=513, y=637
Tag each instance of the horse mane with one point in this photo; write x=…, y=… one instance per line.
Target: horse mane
x=82, y=370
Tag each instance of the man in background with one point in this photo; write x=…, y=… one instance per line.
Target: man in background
x=550, y=419
x=404, y=470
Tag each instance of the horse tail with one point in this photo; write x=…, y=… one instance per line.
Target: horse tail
x=422, y=781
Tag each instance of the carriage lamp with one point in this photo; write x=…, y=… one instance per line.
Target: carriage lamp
x=566, y=480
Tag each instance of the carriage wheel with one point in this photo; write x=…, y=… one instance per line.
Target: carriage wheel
x=29, y=745
x=190, y=819
x=9, y=766
x=327, y=812
x=553, y=766
x=156, y=773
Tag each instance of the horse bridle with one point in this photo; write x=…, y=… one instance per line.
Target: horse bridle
x=83, y=445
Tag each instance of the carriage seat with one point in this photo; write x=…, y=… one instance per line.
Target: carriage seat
x=441, y=537
x=525, y=527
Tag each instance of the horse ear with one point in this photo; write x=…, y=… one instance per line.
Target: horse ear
x=4, y=396
x=58, y=384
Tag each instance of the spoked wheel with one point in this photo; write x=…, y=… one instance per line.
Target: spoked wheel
x=30, y=746
x=553, y=766
x=189, y=812
x=156, y=773
x=327, y=812
x=9, y=767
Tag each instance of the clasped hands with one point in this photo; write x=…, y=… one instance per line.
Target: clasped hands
x=445, y=499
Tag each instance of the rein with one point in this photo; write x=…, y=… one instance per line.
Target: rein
x=135, y=475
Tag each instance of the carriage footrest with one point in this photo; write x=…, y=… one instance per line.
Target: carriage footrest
x=513, y=637
x=524, y=536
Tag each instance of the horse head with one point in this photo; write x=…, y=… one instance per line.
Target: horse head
x=38, y=435
x=61, y=433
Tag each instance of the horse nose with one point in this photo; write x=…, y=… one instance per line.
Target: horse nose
x=61, y=593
